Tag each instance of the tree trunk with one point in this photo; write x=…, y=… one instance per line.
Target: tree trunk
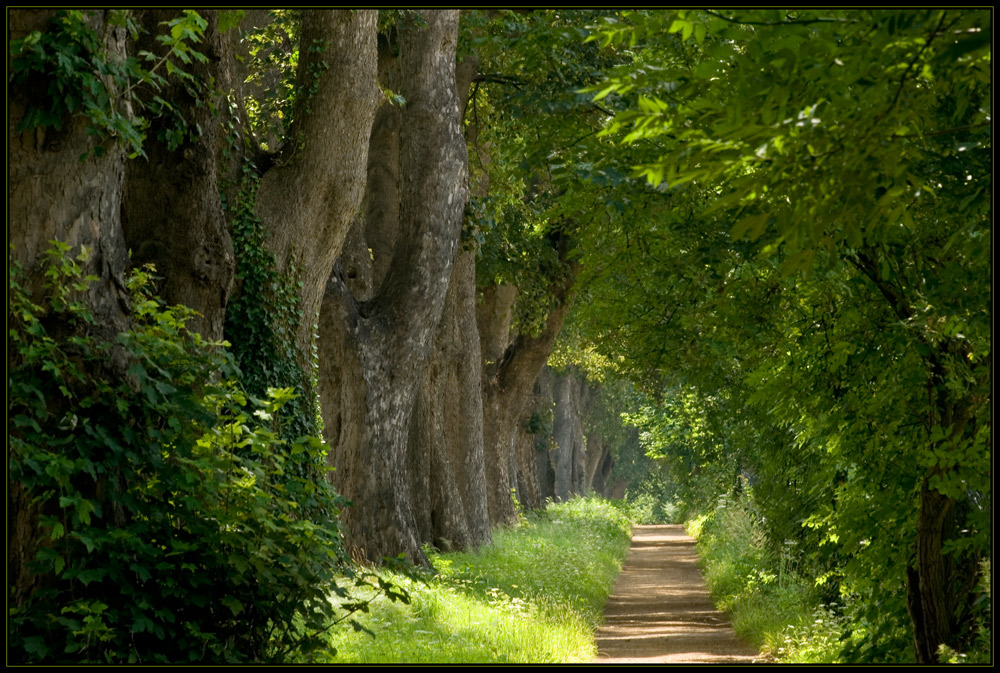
x=508, y=383
x=54, y=195
x=309, y=199
x=567, y=432
x=172, y=213
x=529, y=490
x=928, y=590
x=446, y=440
x=388, y=339
x=595, y=454
x=937, y=584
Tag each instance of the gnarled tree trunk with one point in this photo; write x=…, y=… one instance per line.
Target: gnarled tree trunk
x=172, y=213
x=381, y=346
x=507, y=385
x=309, y=198
x=446, y=434
x=55, y=195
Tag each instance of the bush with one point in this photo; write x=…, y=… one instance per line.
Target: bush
x=175, y=524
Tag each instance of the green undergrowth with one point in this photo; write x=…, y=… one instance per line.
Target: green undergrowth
x=779, y=608
x=772, y=606
x=535, y=595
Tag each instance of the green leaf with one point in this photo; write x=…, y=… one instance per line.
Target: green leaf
x=233, y=604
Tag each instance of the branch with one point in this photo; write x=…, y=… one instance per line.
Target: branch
x=789, y=22
x=957, y=129
x=493, y=78
x=578, y=140
x=909, y=67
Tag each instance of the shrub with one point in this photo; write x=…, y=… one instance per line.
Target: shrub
x=176, y=525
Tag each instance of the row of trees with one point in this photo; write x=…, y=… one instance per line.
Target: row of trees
x=301, y=181
x=776, y=223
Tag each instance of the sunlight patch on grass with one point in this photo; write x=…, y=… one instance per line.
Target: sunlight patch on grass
x=535, y=595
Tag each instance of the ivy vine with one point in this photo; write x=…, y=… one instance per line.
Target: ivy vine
x=263, y=319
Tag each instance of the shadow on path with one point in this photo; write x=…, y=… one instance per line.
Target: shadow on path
x=660, y=610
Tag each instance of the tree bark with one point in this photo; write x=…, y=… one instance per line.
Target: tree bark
x=567, y=430
x=172, y=213
x=595, y=454
x=446, y=440
x=508, y=384
x=388, y=339
x=929, y=600
x=54, y=195
x=309, y=199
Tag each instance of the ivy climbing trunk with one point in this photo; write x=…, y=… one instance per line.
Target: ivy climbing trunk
x=379, y=347
x=54, y=195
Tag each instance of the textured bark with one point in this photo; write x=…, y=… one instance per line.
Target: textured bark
x=309, y=199
x=930, y=602
x=563, y=428
x=54, y=195
x=493, y=317
x=507, y=386
x=172, y=213
x=446, y=434
x=595, y=454
x=607, y=464
x=387, y=340
x=568, y=434
x=529, y=490
x=544, y=406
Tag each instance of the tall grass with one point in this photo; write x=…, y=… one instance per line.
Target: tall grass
x=535, y=595
x=772, y=607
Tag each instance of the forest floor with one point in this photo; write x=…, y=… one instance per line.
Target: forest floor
x=661, y=611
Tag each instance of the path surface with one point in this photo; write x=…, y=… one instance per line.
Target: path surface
x=660, y=610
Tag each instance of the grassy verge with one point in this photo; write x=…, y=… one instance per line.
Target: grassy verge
x=771, y=606
x=535, y=595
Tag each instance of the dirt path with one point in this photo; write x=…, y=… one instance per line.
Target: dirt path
x=660, y=610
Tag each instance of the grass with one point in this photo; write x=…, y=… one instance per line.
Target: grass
x=535, y=595
x=771, y=607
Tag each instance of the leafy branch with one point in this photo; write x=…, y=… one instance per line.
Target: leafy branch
x=786, y=22
x=68, y=72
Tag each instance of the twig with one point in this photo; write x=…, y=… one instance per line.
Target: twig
x=931, y=134
x=788, y=22
x=909, y=67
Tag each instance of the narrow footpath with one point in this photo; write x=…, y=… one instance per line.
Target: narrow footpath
x=660, y=610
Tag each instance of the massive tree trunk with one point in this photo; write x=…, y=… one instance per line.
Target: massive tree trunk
x=446, y=435
x=55, y=195
x=445, y=450
x=508, y=382
x=593, y=435
x=172, y=213
x=380, y=347
x=544, y=407
x=595, y=454
x=309, y=198
x=567, y=430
